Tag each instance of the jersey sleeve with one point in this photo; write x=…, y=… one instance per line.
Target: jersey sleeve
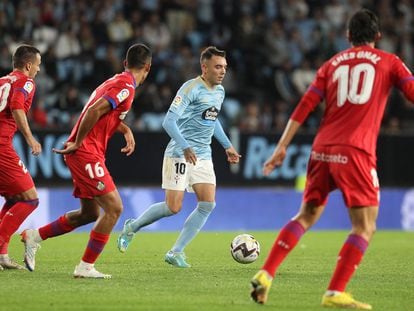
x=221, y=136
x=22, y=89
x=403, y=78
x=170, y=126
x=118, y=94
x=312, y=97
x=181, y=100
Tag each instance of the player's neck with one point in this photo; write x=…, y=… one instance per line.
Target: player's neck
x=22, y=71
x=137, y=75
x=370, y=44
x=209, y=85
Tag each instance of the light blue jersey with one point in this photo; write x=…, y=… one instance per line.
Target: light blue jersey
x=197, y=107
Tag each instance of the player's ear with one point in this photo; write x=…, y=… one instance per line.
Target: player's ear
x=125, y=63
x=28, y=66
x=203, y=67
x=378, y=36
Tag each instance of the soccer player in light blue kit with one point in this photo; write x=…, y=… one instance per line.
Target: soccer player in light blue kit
x=191, y=121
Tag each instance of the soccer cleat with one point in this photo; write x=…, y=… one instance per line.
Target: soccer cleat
x=7, y=263
x=176, y=259
x=30, y=248
x=125, y=237
x=261, y=283
x=1, y=268
x=84, y=270
x=343, y=300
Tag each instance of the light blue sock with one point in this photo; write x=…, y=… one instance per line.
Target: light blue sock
x=193, y=225
x=151, y=214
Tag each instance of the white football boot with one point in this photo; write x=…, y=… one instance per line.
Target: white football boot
x=87, y=270
x=30, y=247
x=7, y=263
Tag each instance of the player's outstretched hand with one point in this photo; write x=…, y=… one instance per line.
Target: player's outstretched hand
x=232, y=155
x=130, y=143
x=190, y=156
x=275, y=160
x=69, y=147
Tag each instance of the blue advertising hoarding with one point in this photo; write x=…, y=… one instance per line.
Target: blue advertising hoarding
x=237, y=209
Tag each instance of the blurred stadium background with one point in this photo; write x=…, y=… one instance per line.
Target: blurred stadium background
x=274, y=48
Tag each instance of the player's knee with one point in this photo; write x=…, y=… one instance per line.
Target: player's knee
x=174, y=206
x=366, y=230
x=371, y=229
x=206, y=207
x=91, y=216
x=115, y=211
x=118, y=210
x=307, y=220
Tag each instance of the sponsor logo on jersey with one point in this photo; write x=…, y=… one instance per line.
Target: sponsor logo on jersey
x=28, y=86
x=122, y=95
x=210, y=114
x=100, y=186
x=331, y=158
x=177, y=100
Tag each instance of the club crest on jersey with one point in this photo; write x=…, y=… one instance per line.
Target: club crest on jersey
x=210, y=114
x=28, y=86
x=122, y=95
x=100, y=186
x=177, y=100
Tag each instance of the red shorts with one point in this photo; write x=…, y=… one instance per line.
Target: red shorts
x=90, y=176
x=14, y=177
x=348, y=169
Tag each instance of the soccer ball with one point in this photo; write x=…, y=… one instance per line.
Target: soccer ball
x=245, y=248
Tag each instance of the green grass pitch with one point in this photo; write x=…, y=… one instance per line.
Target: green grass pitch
x=142, y=281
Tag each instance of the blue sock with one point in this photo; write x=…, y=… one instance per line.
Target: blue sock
x=151, y=214
x=193, y=224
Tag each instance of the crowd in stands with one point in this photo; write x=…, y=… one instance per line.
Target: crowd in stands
x=274, y=48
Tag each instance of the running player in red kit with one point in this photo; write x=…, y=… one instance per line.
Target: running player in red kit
x=16, y=184
x=355, y=84
x=85, y=157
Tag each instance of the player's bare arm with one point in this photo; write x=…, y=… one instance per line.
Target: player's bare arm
x=276, y=159
x=233, y=156
x=190, y=156
x=21, y=120
x=129, y=139
x=92, y=115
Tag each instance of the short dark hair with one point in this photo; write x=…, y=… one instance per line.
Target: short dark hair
x=24, y=54
x=138, y=55
x=208, y=53
x=363, y=27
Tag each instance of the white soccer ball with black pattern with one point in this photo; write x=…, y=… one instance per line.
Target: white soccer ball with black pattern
x=245, y=248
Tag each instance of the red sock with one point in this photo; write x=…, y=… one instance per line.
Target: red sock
x=14, y=217
x=4, y=247
x=7, y=205
x=96, y=244
x=348, y=260
x=287, y=239
x=58, y=227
